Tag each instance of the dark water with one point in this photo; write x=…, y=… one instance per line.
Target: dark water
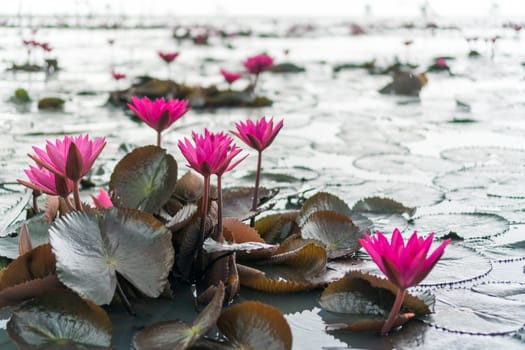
x=340, y=136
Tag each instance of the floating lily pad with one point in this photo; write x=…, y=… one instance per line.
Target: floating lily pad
x=37, y=228
x=493, y=156
x=178, y=334
x=382, y=206
x=274, y=282
x=361, y=293
x=337, y=232
x=60, y=320
x=253, y=325
x=145, y=178
x=322, y=201
x=476, y=199
x=307, y=258
x=92, y=249
x=10, y=214
x=366, y=324
x=403, y=164
x=212, y=246
x=285, y=175
x=465, y=225
x=189, y=187
x=499, y=308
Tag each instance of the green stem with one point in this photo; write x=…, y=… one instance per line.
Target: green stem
x=76, y=195
x=220, y=237
x=255, y=202
x=394, y=312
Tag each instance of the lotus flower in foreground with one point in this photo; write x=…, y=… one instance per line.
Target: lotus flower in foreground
x=47, y=182
x=158, y=114
x=259, y=134
x=404, y=265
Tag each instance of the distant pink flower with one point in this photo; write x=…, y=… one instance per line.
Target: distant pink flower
x=168, y=57
x=259, y=134
x=46, y=47
x=47, y=182
x=57, y=158
x=408, y=42
x=102, y=200
x=404, y=265
x=158, y=114
x=117, y=76
x=441, y=62
x=210, y=153
x=259, y=63
x=230, y=77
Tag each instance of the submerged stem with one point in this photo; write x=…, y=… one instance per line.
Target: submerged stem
x=394, y=312
x=255, y=202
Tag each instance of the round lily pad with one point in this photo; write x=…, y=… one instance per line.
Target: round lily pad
x=493, y=156
x=403, y=164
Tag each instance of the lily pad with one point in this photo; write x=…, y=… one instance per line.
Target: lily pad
x=403, y=164
x=322, y=201
x=92, y=249
x=254, y=325
x=178, y=334
x=60, y=320
x=37, y=228
x=493, y=156
x=382, y=206
x=272, y=283
x=145, y=178
x=276, y=227
x=10, y=214
x=189, y=187
x=336, y=231
x=237, y=202
x=499, y=309
x=361, y=293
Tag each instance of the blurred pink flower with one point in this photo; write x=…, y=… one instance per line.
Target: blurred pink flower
x=259, y=134
x=46, y=47
x=210, y=153
x=441, y=62
x=45, y=181
x=158, y=114
x=405, y=266
x=117, y=76
x=58, y=158
x=168, y=57
x=259, y=63
x=408, y=42
x=102, y=200
x=230, y=77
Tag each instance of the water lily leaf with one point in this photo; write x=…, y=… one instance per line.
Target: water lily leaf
x=91, y=249
x=37, y=228
x=499, y=308
x=259, y=280
x=254, y=325
x=322, y=201
x=182, y=217
x=189, y=187
x=276, y=227
x=60, y=320
x=145, y=178
x=239, y=232
x=212, y=246
x=382, y=205
x=178, y=334
x=361, y=293
x=237, y=203
x=337, y=232
x=24, y=241
x=12, y=213
x=367, y=324
x=310, y=259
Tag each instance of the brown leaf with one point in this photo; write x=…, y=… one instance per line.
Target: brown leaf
x=367, y=325
x=276, y=227
x=238, y=232
x=189, y=187
x=256, y=279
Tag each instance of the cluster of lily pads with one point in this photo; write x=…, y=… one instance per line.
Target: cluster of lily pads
x=152, y=233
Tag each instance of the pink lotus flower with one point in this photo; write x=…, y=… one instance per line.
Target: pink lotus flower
x=230, y=77
x=117, y=76
x=211, y=153
x=46, y=47
x=59, y=158
x=257, y=64
x=259, y=134
x=441, y=62
x=404, y=265
x=47, y=182
x=168, y=57
x=158, y=114
x=102, y=200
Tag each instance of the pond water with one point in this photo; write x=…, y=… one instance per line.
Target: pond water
x=456, y=153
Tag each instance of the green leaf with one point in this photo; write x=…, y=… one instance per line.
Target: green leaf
x=60, y=320
x=322, y=201
x=254, y=325
x=91, y=249
x=145, y=178
x=177, y=334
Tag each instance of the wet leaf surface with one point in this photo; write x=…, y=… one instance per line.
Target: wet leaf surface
x=255, y=326
x=37, y=228
x=92, y=249
x=322, y=201
x=276, y=227
x=145, y=178
x=60, y=320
